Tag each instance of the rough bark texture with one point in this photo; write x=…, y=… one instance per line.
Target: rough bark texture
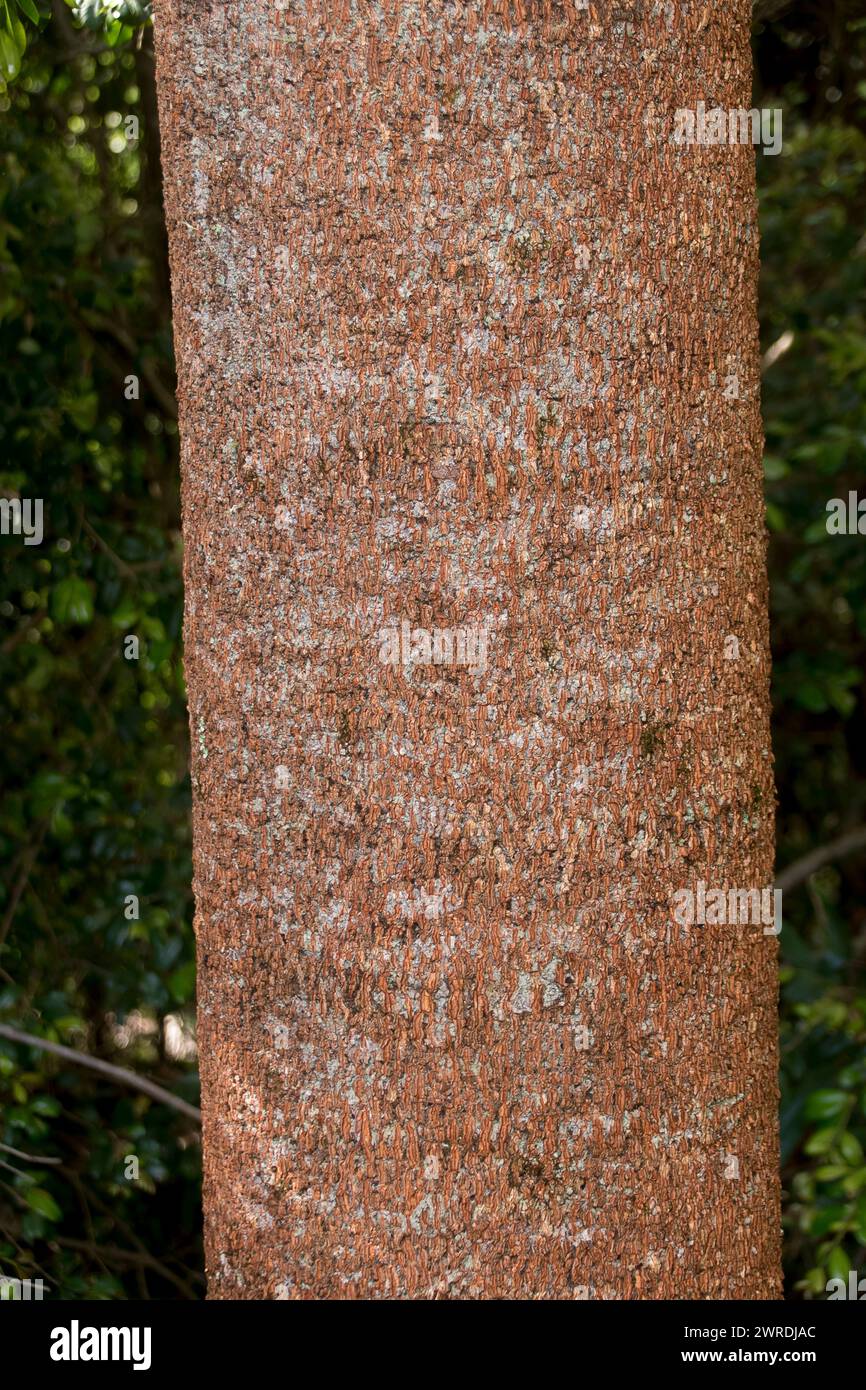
x=454, y=317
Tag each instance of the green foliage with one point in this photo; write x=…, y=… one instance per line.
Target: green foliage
x=13, y=36
x=813, y=223
x=96, y=795
x=115, y=20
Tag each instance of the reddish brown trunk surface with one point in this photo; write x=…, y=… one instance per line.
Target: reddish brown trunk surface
x=454, y=319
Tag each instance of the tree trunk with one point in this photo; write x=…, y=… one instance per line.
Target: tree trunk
x=476, y=643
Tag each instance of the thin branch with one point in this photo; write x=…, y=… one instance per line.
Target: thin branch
x=103, y=545
x=25, y=865
x=122, y=1075
x=776, y=350
x=801, y=869
x=21, y=631
x=128, y=1231
x=100, y=323
x=115, y=1255
x=77, y=39
x=29, y=1158
x=10, y=1168
x=769, y=9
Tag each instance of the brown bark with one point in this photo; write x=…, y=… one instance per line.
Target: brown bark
x=454, y=316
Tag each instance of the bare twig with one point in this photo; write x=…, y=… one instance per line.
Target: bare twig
x=113, y=1254
x=816, y=859
x=119, y=1074
x=21, y=631
x=777, y=350
x=25, y=865
x=29, y=1158
x=101, y=323
x=10, y=1168
x=103, y=545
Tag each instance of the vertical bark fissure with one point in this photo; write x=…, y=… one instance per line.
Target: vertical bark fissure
x=476, y=646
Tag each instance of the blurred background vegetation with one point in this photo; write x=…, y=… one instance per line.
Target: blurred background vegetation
x=96, y=793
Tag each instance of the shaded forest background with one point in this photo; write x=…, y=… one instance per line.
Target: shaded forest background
x=96, y=791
